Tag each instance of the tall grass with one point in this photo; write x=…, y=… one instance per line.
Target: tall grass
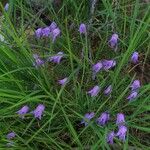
x=21, y=83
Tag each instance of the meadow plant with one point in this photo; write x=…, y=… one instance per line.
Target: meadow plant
x=57, y=115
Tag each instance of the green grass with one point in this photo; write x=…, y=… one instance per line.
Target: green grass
x=22, y=84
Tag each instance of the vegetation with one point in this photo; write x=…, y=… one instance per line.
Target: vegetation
x=21, y=83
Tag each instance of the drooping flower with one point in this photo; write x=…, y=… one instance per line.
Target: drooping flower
x=38, y=60
x=55, y=33
x=135, y=57
x=110, y=137
x=132, y=96
x=103, y=119
x=6, y=7
x=108, y=64
x=135, y=85
x=108, y=90
x=87, y=118
x=120, y=119
x=39, y=111
x=57, y=58
x=53, y=26
x=82, y=28
x=11, y=135
x=46, y=32
x=94, y=91
x=122, y=133
x=38, y=33
x=97, y=67
x=23, y=111
x=63, y=81
x=113, y=41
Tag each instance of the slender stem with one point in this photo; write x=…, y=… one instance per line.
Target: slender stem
x=91, y=13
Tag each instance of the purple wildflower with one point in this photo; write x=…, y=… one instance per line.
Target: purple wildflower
x=23, y=111
x=113, y=41
x=53, y=26
x=108, y=64
x=38, y=32
x=6, y=7
x=103, y=119
x=11, y=135
x=55, y=33
x=135, y=85
x=120, y=119
x=57, y=58
x=38, y=60
x=63, y=81
x=133, y=95
x=122, y=132
x=46, y=32
x=39, y=111
x=82, y=28
x=110, y=137
x=97, y=67
x=94, y=91
x=108, y=90
x=134, y=58
x=87, y=118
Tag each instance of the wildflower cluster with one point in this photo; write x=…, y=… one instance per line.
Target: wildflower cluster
x=134, y=90
x=40, y=62
x=103, y=119
x=53, y=32
x=37, y=112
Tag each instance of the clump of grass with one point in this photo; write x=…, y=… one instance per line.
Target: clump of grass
x=65, y=106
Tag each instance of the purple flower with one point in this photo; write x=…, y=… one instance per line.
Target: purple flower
x=82, y=28
x=97, y=67
x=6, y=7
x=108, y=64
x=132, y=96
x=57, y=58
x=108, y=90
x=38, y=33
x=38, y=60
x=122, y=132
x=113, y=41
x=63, y=81
x=46, y=32
x=120, y=119
x=94, y=91
x=134, y=58
x=110, y=137
x=23, y=111
x=87, y=118
x=135, y=85
x=103, y=119
x=11, y=135
x=55, y=33
x=53, y=26
x=39, y=111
